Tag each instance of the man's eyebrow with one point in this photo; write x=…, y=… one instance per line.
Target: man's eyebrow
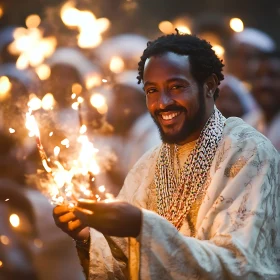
x=148, y=84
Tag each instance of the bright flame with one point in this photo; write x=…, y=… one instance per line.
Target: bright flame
x=43, y=71
x=236, y=24
x=48, y=102
x=219, y=50
x=5, y=86
x=14, y=220
x=11, y=130
x=33, y=21
x=166, y=27
x=83, y=129
x=102, y=189
x=184, y=29
x=65, y=142
x=116, y=64
x=31, y=125
x=56, y=151
x=34, y=103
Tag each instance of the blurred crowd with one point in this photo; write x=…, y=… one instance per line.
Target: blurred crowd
x=92, y=83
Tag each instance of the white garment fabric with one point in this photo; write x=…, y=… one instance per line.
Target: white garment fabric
x=237, y=230
x=271, y=131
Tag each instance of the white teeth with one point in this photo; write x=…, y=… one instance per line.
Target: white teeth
x=170, y=116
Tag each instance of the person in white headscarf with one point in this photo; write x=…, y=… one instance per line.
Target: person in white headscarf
x=266, y=91
x=234, y=98
x=243, y=51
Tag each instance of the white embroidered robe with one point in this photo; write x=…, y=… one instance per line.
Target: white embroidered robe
x=237, y=228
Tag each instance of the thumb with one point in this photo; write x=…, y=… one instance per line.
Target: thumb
x=86, y=204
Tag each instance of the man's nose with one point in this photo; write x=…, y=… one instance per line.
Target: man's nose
x=165, y=100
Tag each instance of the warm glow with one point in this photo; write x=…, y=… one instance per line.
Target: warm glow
x=97, y=100
x=80, y=99
x=47, y=46
x=1, y=263
x=116, y=64
x=103, y=24
x=93, y=81
x=11, y=130
x=5, y=86
x=1, y=12
x=48, y=102
x=69, y=15
x=33, y=21
x=76, y=89
x=236, y=24
x=14, y=220
x=4, y=240
x=101, y=189
x=51, y=134
x=219, y=50
x=87, y=40
x=184, y=29
x=43, y=71
x=34, y=103
x=31, y=125
x=166, y=27
x=73, y=95
x=75, y=105
x=22, y=62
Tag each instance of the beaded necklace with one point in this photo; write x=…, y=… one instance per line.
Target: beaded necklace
x=175, y=196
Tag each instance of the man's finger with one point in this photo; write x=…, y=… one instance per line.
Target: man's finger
x=60, y=209
x=87, y=204
x=67, y=217
x=72, y=225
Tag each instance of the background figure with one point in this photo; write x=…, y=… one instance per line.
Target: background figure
x=234, y=98
x=266, y=90
x=243, y=50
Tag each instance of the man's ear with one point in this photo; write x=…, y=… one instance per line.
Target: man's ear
x=211, y=84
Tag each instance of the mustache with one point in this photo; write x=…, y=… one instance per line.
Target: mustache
x=171, y=108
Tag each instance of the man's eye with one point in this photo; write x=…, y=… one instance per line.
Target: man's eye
x=176, y=87
x=150, y=90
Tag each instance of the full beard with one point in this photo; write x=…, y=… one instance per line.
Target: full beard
x=189, y=126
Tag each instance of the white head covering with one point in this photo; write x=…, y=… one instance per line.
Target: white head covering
x=127, y=46
x=255, y=38
x=128, y=78
x=247, y=101
x=74, y=58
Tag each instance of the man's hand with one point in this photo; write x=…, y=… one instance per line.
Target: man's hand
x=66, y=220
x=114, y=218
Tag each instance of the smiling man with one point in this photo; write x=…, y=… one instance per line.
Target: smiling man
x=202, y=205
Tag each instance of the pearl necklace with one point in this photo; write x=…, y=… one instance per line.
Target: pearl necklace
x=175, y=196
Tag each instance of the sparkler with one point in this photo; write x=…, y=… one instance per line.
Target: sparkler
x=66, y=185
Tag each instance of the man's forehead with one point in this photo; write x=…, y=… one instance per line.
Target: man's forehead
x=170, y=56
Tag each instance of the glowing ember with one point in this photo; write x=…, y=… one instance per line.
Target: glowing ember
x=34, y=103
x=11, y=130
x=73, y=96
x=98, y=101
x=75, y=106
x=65, y=142
x=102, y=189
x=76, y=89
x=51, y=134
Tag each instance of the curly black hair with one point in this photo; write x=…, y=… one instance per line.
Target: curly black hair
x=203, y=58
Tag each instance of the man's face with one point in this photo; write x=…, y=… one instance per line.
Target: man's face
x=173, y=98
x=266, y=87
